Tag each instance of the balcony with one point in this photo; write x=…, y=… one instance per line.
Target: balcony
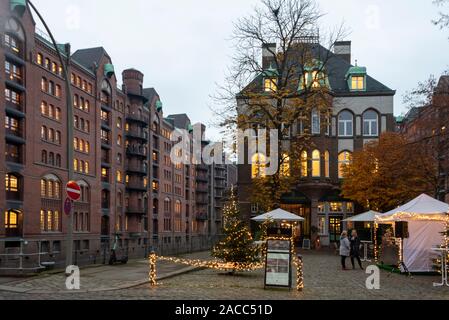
x=106, y=124
x=13, y=196
x=202, y=200
x=202, y=167
x=201, y=217
x=136, y=210
x=15, y=77
x=140, y=119
x=14, y=136
x=202, y=179
x=137, y=169
x=105, y=143
x=105, y=205
x=14, y=109
x=137, y=186
x=132, y=134
x=136, y=151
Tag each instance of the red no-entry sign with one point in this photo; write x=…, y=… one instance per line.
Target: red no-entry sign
x=73, y=191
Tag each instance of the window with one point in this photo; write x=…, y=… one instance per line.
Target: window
x=167, y=205
x=11, y=219
x=370, y=124
x=119, y=123
x=13, y=96
x=44, y=156
x=178, y=207
x=349, y=207
x=13, y=72
x=259, y=163
x=321, y=207
x=316, y=123
x=39, y=59
x=50, y=187
x=345, y=124
x=54, y=67
x=13, y=43
x=304, y=165
x=270, y=84
x=336, y=207
x=344, y=159
x=86, y=167
x=358, y=83
x=322, y=230
x=254, y=208
x=12, y=125
x=47, y=63
x=316, y=164
x=119, y=140
x=327, y=164
x=11, y=183
x=119, y=177
x=50, y=220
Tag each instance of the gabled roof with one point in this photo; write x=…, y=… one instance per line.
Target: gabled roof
x=336, y=69
x=90, y=56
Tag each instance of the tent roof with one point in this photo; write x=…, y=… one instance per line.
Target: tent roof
x=422, y=208
x=278, y=215
x=369, y=216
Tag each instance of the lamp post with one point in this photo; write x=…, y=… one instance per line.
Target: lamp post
x=64, y=64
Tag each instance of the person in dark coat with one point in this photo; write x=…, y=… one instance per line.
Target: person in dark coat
x=355, y=249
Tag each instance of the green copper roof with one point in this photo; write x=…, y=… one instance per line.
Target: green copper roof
x=159, y=106
x=18, y=6
x=190, y=128
x=399, y=119
x=109, y=70
x=271, y=72
x=356, y=71
x=314, y=65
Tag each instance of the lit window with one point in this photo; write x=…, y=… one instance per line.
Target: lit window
x=322, y=226
x=370, y=124
x=304, y=165
x=344, y=159
x=86, y=167
x=270, y=85
x=327, y=164
x=345, y=124
x=11, y=183
x=350, y=207
x=42, y=220
x=316, y=164
x=49, y=220
x=40, y=59
x=358, y=83
x=119, y=176
x=336, y=207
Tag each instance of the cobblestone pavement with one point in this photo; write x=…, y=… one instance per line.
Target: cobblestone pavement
x=324, y=280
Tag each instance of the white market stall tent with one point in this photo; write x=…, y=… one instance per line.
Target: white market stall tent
x=369, y=216
x=427, y=219
x=279, y=215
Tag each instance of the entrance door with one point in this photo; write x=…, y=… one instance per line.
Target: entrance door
x=335, y=229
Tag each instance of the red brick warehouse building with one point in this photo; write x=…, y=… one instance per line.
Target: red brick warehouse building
x=131, y=192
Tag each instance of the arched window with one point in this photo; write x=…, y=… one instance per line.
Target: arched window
x=58, y=114
x=167, y=205
x=44, y=85
x=105, y=199
x=51, y=135
x=316, y=164
x=370, y=124
x=304, y=164
x=178, y=207
x=44, y=108
x=51, y=159
x=13, y=186
x=44, y=133
x=85, y=191
x=76, y=101
x=120, y=199
x=285, y=165
x=51, y=187
x=119, y=177
x=11, y=220
x=316, y=122
x=155, y=206
x=58, y=161
x=327, y=164
x=259, y=163
x=344, y=159
x=44, y=157
x=345, y=124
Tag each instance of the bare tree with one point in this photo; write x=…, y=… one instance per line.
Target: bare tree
x=279, y=91
x=443, y=20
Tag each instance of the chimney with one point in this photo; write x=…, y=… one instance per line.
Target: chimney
x=267, y=54
x=342, y=49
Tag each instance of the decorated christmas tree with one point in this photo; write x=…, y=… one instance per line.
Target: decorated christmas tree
x=237, y=249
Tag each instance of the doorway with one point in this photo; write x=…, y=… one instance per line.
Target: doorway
x=335, y=229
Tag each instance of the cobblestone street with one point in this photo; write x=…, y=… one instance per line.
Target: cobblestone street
x=323, y=280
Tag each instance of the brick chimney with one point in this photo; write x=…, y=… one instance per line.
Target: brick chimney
x=343, y=50
x=267, y=55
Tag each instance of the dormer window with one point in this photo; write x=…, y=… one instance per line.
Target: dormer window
x=356, y=77
x=270, y=84
x=358, y=83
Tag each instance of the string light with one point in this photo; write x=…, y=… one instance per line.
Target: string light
x=153, y=274
x=376, y=250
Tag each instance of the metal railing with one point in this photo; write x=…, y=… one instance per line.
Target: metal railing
x=21, y=257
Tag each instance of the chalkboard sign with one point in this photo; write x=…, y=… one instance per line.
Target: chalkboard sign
x=306, y=245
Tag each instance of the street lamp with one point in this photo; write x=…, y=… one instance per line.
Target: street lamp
x=64, y=64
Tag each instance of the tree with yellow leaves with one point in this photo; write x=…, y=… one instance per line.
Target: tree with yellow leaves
x=389, y=172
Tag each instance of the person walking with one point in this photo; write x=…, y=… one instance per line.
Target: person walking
x=355, y=249
x=345, y=249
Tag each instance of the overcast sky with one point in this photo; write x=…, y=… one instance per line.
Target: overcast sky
x=182, y=46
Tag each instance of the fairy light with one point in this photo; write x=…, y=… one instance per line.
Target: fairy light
x=376, y=250
x=153, y=274
x=299, y=273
